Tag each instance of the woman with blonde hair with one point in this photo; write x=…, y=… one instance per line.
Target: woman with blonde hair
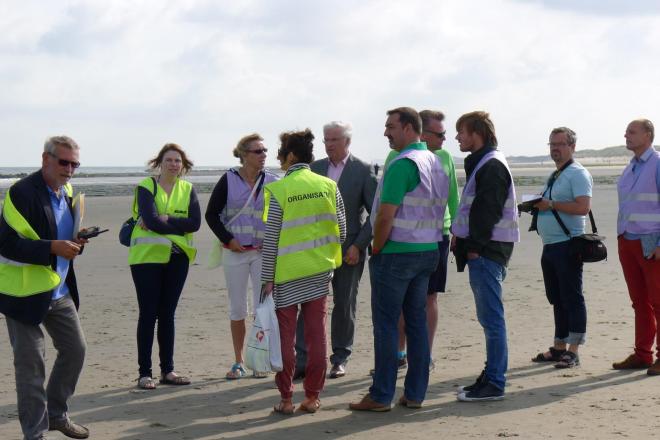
x=234, y=214
x=160, y=253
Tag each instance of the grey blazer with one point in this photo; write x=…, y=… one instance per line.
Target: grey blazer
x=357, y=186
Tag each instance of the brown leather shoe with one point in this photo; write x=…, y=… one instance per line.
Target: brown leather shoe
x=412, y=404
x=337, y=370
x=68, y=428
x=368, y=404
x=632, y=362
x=654, y=370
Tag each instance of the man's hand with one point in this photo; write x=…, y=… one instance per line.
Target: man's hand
x=235, y=246
x=543, y=205
x=64, y=248
x=452, y=243
x=472, y=255
x=352, y=255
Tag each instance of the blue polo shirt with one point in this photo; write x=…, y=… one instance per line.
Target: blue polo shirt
x=575, y=181
x=64, y=222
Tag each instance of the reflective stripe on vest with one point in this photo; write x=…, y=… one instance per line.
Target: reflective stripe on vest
x=24, y=279
x=639, y=199
x=309, y=238
x=151, y=247
x=506, y=229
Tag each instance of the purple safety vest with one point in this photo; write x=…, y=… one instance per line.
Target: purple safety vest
x=420, y=217
x=249, y=227
x=639, y=200
x=507, y=228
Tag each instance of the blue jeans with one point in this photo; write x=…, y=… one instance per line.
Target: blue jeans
x=562, y=275
x=486, y=277
x=400, y=282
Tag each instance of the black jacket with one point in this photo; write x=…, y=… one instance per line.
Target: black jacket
x=492, y=188
x=31, y=198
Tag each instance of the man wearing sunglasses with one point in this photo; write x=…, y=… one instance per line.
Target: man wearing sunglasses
x=38, y=290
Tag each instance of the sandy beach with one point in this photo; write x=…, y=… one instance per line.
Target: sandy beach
x=592, y=401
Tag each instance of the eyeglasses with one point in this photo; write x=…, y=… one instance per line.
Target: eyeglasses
x=282, y=152
x=64, y=162
x=441, y=135
x=258, y=151
x=557, y=144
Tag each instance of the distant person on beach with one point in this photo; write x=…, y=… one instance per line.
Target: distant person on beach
x=161, y=251
x=357, y=184
x=434, y=135
x=305, y=228
x=409, y=209
x=638, y=229
x=234, y=214
x=38, y=290
x=485, y=229
x=567, y=194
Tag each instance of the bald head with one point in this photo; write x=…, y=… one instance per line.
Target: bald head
x=639, y=136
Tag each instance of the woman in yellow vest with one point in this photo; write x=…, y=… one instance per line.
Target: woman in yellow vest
x=305, y=226
x=167, y=211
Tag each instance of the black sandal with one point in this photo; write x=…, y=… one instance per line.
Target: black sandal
x=555, y=356
x=568, y=360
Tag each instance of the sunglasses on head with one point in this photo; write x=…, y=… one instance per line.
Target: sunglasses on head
x=64, y=162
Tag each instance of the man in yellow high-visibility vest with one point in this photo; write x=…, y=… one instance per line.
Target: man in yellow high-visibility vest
x=38, y=290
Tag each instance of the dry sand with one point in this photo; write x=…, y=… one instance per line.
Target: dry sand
x=592, y=401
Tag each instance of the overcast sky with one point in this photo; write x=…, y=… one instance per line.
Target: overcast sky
x=125, y=77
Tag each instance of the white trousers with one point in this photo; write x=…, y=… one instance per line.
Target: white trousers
x=238, y=267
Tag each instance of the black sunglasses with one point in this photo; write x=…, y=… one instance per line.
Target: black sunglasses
x=258, y=151
x=441, y=135
x=64, y=162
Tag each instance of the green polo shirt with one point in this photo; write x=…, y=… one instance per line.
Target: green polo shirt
x=400, y=178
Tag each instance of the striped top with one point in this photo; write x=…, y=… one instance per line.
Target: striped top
x=305, y=289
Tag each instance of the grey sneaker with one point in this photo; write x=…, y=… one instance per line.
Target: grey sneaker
x=68, y=427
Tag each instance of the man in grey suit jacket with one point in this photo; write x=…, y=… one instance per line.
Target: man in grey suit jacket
x=357, y=184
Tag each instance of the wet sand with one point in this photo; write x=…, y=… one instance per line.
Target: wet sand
x=592, y=401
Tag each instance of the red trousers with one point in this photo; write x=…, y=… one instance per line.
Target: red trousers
x=314, y=316
x=643, y=280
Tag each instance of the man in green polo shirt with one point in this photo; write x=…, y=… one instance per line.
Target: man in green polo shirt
x=433, y=134
x=408, y=208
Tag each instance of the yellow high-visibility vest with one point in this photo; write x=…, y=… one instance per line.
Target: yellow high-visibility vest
x=309, y=240
x=24, y=279
x=151, y=247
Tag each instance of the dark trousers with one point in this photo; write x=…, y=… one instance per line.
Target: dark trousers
x=158, y=288
x=345, y=284
x=562, y=276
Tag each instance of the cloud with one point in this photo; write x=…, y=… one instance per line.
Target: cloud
x=123, y=77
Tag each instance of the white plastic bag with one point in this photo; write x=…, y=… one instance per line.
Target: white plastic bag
x=268, y=317
x=263, y=352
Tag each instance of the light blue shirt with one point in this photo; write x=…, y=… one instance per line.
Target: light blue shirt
x=64, y=222
x=638, y=166
x=575, y=181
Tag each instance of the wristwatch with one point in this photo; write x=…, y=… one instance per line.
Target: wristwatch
x=551, y=205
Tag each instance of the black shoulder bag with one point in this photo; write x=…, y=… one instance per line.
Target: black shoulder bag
x=127, y=227
x=586, y=248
